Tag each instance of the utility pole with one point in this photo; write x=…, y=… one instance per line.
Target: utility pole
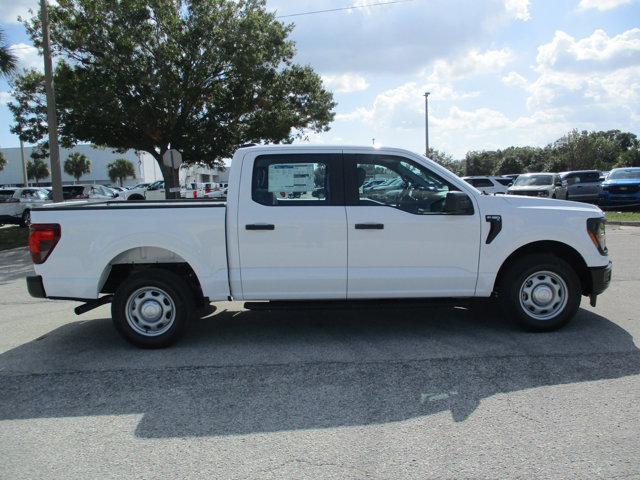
x=52, y=121
x=25, y=180
x=426, y=122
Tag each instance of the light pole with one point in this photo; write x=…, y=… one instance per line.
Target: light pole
x=426, y=122
x=52, y=121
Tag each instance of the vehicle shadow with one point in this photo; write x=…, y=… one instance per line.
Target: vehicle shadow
x=241, y=372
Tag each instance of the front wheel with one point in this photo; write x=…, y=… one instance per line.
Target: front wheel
x=25, y=220
x=540, y=292
x=151, y=309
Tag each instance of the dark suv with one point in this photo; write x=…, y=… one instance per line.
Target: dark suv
x=582, y=185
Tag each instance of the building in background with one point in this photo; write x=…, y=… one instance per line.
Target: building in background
x=145, y=167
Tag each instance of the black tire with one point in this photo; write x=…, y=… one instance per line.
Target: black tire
x=519, y=302
x=174, y=291
x=25, y=220
x=136, y=197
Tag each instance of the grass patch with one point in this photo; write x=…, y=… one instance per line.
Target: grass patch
x=13, y=237
x=623, y=216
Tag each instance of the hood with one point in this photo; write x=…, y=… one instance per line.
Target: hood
x=530, y=187
x=550, y=204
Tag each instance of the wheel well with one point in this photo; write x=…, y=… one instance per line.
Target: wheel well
x=560, y=250
x=120, y=272
x=136, y=196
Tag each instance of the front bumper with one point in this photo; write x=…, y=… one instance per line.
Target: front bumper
x=35, y=286
x=600, y=279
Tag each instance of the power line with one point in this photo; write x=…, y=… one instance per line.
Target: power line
x=352, y=7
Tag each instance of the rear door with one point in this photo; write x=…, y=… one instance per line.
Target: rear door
x=8, y=203
x=401, y=244
x=292, y=229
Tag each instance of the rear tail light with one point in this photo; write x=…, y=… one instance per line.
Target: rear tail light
x=43, y=238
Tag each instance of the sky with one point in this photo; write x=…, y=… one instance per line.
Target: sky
x=499, y=72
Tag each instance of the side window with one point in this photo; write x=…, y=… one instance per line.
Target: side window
x=405, y=185
x=481, y=182
x=291, y=180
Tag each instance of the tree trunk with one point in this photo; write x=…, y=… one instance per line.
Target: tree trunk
x=171, y=180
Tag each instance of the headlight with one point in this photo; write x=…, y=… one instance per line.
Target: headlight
x=543, y=193
x=596, y=231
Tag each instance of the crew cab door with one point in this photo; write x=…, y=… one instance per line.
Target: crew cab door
x=292, y=228
x=401, y=244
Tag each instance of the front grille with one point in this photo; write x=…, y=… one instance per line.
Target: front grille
x=528, y=193
x=623, y=189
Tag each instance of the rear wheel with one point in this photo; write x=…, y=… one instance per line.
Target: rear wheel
x=540, y=292
x=151, y=309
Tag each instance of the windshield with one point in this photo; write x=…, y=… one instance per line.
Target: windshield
x=533, y=180
x=626, y=174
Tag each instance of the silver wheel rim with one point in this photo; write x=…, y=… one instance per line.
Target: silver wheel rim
x=26, y=218
x=543, y=295
x=150, y=311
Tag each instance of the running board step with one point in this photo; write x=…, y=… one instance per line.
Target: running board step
x=355, y=304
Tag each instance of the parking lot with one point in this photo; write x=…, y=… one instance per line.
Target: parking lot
x=446, y=391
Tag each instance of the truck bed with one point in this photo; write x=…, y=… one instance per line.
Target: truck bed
x=165, y=231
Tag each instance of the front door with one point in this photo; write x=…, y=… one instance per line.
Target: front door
x=401, y=244
x=292, y=228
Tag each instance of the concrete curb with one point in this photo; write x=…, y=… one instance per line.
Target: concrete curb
x=624, y=224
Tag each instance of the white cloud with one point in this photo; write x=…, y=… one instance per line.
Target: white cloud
x=12, y=9
x=473, y=63
x=603, y=5
x=5, y=97
x=519, y=9
x=28, y=56
x=596, y=52
x=345, y=83
x=514, y=79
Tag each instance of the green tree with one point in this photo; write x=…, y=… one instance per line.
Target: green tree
x=37, y=169
x=3, y=162
x=480, y=162
x=120, y=169
x=8, y=60
x=202, y=77
x=77, y=165
x=629, y=158
x=446, y=160
x=507, y=165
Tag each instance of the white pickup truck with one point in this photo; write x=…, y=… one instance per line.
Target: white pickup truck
x=298, y=227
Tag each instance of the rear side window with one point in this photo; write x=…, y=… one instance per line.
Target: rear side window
x=295, y=180
x=504, y=181
x=72, y=191
x=6, y=194
x=590, y=177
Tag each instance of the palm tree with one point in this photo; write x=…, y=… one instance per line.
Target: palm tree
x=120, y=169
x=38, y=169
x=77, y=165
x=8, y=60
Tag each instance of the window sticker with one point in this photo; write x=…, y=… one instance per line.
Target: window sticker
x=291, y=177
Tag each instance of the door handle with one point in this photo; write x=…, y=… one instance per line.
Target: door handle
x=369, y=226
x=260, y=226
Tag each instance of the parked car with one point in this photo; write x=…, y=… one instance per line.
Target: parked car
x=489, y=185
x=152, y=191
x=157, y=263
x=622, y=187
x=582, y=185
x=91, y=193
x=548, y=185
x=16, y=204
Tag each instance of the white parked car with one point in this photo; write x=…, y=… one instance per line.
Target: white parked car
x=300, y=228
x=16, y=203
x=489, y=185
x=547, y=185
x=149, y=191
x=89, y=193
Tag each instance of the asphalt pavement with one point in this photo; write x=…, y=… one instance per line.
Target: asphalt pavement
x=449, y=391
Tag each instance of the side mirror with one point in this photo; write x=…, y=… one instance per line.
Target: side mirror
x=458, y=203
x=558, y=184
